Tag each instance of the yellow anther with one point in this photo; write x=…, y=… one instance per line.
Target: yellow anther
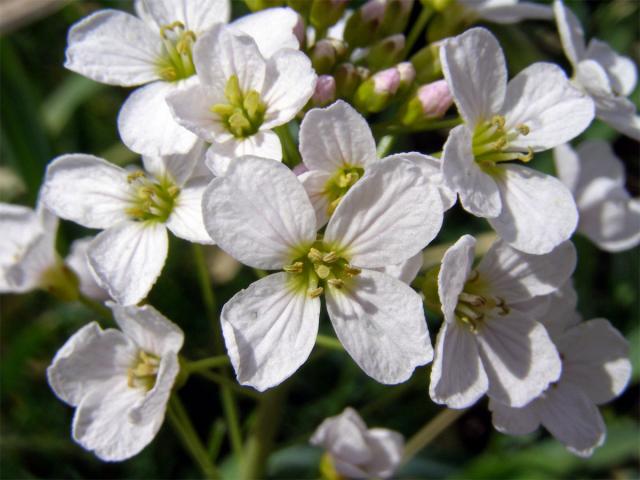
x=500, y=143
x=475, y=300
x=315, y=292
x=352, y=271
x=168, y=28
x=133, y=176
x=528, y=157
x=499, y=121
x=173, y=190
x=322, y=270
x=296, y=267
x=335, y=282
x=523, y=129
x=315, y=255
x=330, y=257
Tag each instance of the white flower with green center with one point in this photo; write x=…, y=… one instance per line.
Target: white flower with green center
x=607, y=77
x=337, y=147
x=355, y=451
x=135, y=208
x=537, y=110
x=260, y=214
x=118, y=380
x=156, y=48
x=595, y=370
x=609, y=216
x=489, y=341
x=241, y=96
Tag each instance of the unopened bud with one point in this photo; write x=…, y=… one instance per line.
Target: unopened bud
x=396, y=16
x=255, y=5
x=347, y=80
x=303, y=7
x=362, y=27
x=376, y=93
x=429, y=103
x=386, y=52
x=299, y=31
x=323, y=57
x=452, y=19
x=407, y=76
x=426, y=61
x=325, y=13
x=325, y=92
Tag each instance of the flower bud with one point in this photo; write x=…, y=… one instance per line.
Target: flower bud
x=348, y=77
x=386, y=52
x=430, y=102
x=437, y=5
x=325, y=92
x=300, y=32
x=325, y=13
x=363, y=25
x=426, y=61
x=255, y=5
x=407, y=76
x=323, y=57
x=376, y=93
x=396, y=16
x=303, y=7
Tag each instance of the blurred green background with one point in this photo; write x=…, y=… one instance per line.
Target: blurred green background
x=47, y=111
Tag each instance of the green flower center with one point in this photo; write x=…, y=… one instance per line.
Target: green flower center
x=318, y=268
x=176, y=61
x=244, y=113
x=340, y=183
x=491, y=142
x=143, y=371
x=151, y=200
x=474, y=303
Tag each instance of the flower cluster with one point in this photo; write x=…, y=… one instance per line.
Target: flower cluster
x=336, y=217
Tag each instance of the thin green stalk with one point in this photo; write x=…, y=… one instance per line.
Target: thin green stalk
x=417, y=28
x=261, y=438
x=216, y=436
x=385, y=145
x=289, y=147
x=329, y=342
x=181, y=423
x=429, y=432
x=226, y=394
x=206, y=363
x=222, y=380
x=96, y=307
x=389, y=128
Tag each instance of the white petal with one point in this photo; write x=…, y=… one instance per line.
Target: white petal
x=272, y=29
x=186, y=219
x=387, y=216
x=146, y=124
x=26, y=274
x=597, y=159
x=432, y=171
x=87, y=360
x=456, y=266
x=289, y=83
x=128, y=258
x=148, y=328
x=458, y=378
x=515, y=276
x=621, y=70
x=155, y=402
x=560, y=311
x=20, y=226
x=571, y=34
x=593, y=79
x=620, y=114
x=380, y=321
x=344, y=437
x=259, y=213
x=114, y=47
x=178, y=167
x=474, y=67
x=542, y=98
x=572, y=418
x=269, y=330
x=517, y=12
x=538, y=211
x=334, y=137
x=406, y=271
x=223, y=52
x=101, y=422
x=596, y=359
x=87, y=190
x=478, y=191
x=387, y=448
x=518, y=356
x=78, y=262
x=514, y=421
x=314, y=183
x=264, y=144
x=196, y=16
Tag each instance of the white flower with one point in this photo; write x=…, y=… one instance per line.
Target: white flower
x=120, y=381
x=337, y=147
x=604, y=75
x=260, y=214
x=537, y=110
x=241, y=96
x=507, y=11
x=28, y=258
x=134, y=208
x=595, y=370
x=609, y=216
x=155, y=48
x=358, y=452
x=489, y=343
x=78, y=261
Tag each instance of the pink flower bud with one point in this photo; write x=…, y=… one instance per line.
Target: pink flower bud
x=435, y=98
x=407, y=73
x=325, y=92
x=386, y=81
x=373, y=11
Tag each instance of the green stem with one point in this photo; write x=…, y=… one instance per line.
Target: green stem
x=417, y=28
x=260, y=440
x=181, y=423
x=206, y=363
x=226, y=394
x=429, y=432
x=97, y=307
x=329, y=342
x=222, y=380
x=388, y=128
x=289, y=147
x=385, y=145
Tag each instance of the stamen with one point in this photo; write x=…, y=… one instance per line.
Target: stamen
x=315, y=292
x=352, y=271
x=330, y=257
x=296, y=267
x=474, y=300
x=315, y=255
x=336, y=282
